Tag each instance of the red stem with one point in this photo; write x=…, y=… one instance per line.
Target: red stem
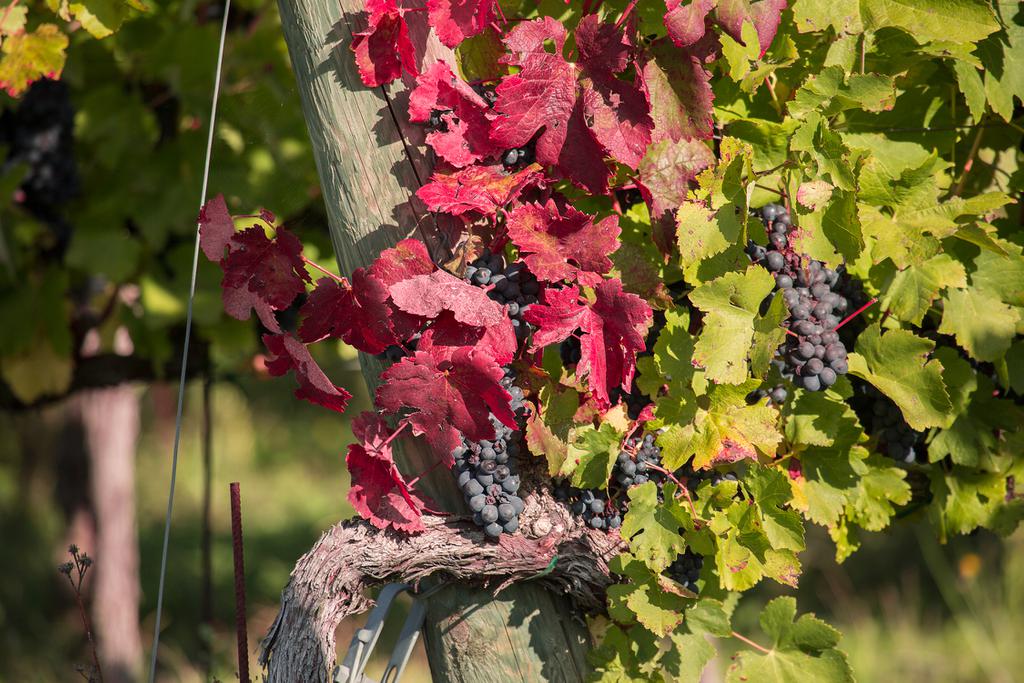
x=854, y=314
x=751, y=643
x=413, y=482
x=401, y=426
x=336, y=278
x=625, y=13
x=240, y=625
x=790, y=333
x=501, y=13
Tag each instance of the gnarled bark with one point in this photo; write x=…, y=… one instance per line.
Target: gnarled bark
x=331, y=581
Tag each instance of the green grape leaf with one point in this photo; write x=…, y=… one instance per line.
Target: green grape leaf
x=983, y=325
x=881, y=487
x=709, y=616
x=964, y=499
x=731, y=303
x=1002, y=55
x=818, y=15
x=592, y=453
x=970, y=81
x=928, y=20
x=105, y=251
x=768, y=336
x=839, y=223
x=1001, y=275
x=100, y=17
x=725, y=429
x=624, y=655
x=897, y=364
x=37, y=371
x=818, y=418
x=972, y=439
x=673, y=355
x=27, y=57
x=688, y=656
x=745, y=555
x=803, y=650
x=771, y=492
x=700, y=234
x=548, y=429
x=912, y=291
x=652, y=527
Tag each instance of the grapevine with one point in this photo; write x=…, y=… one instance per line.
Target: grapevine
x=710, y=287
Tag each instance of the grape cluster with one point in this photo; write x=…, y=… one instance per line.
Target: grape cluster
x=513, y=286
x=777, y=395
x=883, y=420
x=519, y=157
x=686, y=570
x=637, y=463
x=813, y=354
x=485, y=471
x=40, y=135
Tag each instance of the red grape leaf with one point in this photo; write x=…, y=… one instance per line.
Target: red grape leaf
x=359, y=315
x=428, y=295
x=288, y=353
x=465, y=138
x=679, y=89
x=563, y=246
x=686, y=23
x=765, y=15
x=613, y=330
x=263, y=274
x=216, y=228
x=666, y=172
x=557, y=317
x=542, y=95
x=478, y=188
x=384, y=48
x=456, y=20
x=379, y=492
x=447, y=335
x=447, y=397
x=617, y=110
x=406, y=259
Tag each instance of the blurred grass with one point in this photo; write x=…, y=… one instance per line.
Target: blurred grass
x=909, y=609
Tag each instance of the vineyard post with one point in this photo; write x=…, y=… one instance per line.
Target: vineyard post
x=368, y=171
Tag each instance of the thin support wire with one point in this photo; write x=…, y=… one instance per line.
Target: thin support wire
x=184, y=352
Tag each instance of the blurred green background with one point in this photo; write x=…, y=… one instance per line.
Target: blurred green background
x=910, y=610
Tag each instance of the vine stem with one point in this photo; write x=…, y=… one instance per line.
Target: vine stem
x=751, y=643
x=855, y=313
x=314, y=264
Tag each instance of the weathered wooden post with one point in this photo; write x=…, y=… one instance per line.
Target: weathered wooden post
x=368, y=172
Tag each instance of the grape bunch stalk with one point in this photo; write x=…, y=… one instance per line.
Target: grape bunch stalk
x=813, y=355
x=485, y=470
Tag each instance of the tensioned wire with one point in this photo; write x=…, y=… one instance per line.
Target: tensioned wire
x=184, y=351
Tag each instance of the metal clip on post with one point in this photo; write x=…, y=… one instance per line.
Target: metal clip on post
x=359, y=650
